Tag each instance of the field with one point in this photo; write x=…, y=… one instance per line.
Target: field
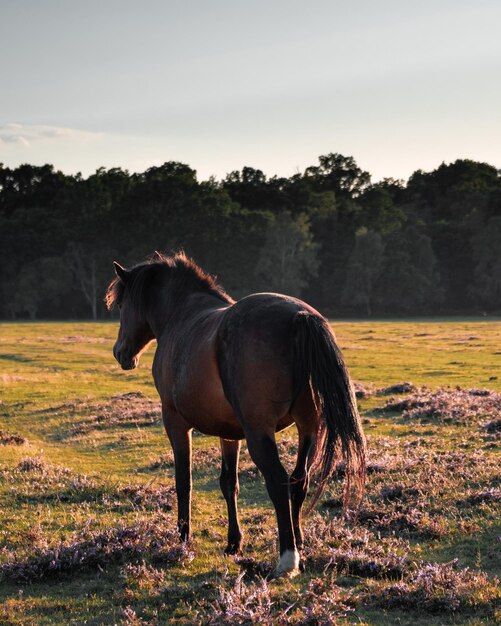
x=87, y=515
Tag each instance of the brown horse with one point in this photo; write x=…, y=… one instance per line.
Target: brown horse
x=238, y=370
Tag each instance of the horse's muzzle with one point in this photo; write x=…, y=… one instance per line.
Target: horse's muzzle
x=129, y=364
x=126, y=362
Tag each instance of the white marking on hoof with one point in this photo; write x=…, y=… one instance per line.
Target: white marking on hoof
x=288, y=564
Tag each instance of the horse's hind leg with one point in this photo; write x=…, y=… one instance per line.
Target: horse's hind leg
x=264, y=453
x=299, y=481
x=229, y=486
x=307, y=419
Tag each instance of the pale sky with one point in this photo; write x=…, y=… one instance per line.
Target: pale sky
x=219, y=84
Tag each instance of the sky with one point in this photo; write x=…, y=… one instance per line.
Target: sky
x=397, y=84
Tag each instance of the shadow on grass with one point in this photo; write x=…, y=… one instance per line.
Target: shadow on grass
x=477, y=551
x=16, y=358
x=86, y=597
x=94, y=596
x=252, y=491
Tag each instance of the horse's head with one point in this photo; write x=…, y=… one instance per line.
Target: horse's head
x=134, y=333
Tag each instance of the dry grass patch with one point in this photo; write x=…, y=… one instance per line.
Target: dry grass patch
x=35, y=480
x=11, y=439
x=237, y=601
x=129, y=409
x=151, y=538
x=456, y=406
x=441, y=588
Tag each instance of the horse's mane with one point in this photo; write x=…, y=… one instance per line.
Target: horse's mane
x=185, y=275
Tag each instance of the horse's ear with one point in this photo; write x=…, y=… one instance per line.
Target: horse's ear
x=121, y=272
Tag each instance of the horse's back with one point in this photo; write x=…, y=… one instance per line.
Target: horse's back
x=261, y=318
x=256, y=356
x=262, y=313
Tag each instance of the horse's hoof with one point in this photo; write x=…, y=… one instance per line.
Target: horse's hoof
x=279, y=573
x=232, y=550
x=288, y=565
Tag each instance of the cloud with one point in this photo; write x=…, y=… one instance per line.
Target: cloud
x=27, y=134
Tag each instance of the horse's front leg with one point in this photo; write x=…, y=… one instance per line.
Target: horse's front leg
x=179, y=433
x=228, y=481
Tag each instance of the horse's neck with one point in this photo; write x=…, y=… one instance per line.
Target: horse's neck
x=171, y=313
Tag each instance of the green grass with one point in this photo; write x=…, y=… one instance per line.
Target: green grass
x=57, y=381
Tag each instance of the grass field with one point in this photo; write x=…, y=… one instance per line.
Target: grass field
x=87, y=515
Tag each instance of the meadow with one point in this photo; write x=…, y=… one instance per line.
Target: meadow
x=87, y=514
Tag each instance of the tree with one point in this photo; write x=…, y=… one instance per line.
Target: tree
x=26, y=294
x=318, y=233
x=288, y=258
x=38, y=287
x=254, y=191
x=453, y=190
x=487, y=273
x=339, y=174
x=379, y=211
x=84, y=267
x=363, y=268
x=408, y=281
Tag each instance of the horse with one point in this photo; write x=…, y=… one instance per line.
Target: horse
x=239, y=370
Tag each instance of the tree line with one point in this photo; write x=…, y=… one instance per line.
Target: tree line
x=431, y=245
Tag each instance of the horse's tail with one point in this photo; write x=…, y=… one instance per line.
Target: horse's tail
x=318, y=363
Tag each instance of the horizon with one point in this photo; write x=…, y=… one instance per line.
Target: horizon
x=268, y=175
